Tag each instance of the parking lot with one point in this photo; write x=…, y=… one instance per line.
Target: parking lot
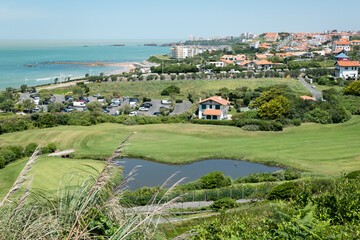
x=156, y=105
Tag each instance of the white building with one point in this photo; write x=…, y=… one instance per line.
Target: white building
x=182, y=51
x=213, y=108
x=347, y=69
x=342, y=44
x=217, y=63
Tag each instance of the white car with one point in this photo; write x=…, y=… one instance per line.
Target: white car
x=143, y=109
x=133, y=113
x=165, y=102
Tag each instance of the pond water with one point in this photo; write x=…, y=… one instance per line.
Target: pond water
x=153, y=174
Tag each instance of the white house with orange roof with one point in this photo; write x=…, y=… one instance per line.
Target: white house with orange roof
x=213, y=108
x=355, y=42
x=347, y=69
x=264, y=64
x=342, y=44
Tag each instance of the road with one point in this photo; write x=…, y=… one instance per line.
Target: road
x=317, y=94
x=181, y=107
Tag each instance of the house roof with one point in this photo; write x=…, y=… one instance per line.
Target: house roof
x=342, y=41
x=212, y=112
x=308, y=98
x=348, y=63
x=217, y=99
x=264, y=62
x=226, y=61
x=342, y=55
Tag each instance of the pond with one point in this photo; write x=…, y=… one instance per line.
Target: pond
x=153, y=174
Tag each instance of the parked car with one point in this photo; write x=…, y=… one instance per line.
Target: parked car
x=65, y=110
x=97, y=95
x=146, y=105
x=157, y=113
x=313, y=86
x=126, y=97
x=114, y=105
x=165, y=102
x=32, y=91
x=133, y=113
x=84, y=99
x=143, y=109
x=106, y=111
x=79, y=104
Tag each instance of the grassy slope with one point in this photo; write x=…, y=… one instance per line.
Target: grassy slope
x=47, y=172
x=328, y=149
x=153, y=88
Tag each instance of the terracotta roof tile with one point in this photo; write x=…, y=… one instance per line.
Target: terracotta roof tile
x=217, y=99
x=348, y=63
x=212, y=112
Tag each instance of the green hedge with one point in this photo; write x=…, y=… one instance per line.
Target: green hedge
x=264, y=125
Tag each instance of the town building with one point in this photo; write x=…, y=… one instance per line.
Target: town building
x=342, y=44
x=347, y=69
x=342, y=57
x=271, y=37
x=213, y=108
x=263, y=65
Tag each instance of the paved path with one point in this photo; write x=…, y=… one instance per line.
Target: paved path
x=316, y=93
x=62, y=153
x=185, y=205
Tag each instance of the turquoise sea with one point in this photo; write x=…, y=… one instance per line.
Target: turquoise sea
x=16, y=56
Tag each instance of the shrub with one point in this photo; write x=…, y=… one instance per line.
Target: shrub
x=17, y=150
x=45, y=150
x=224, y=203
x=291, y=174
x=179, y=101
x=30, y=148
x=282, y=192
x=2, y=162
x=170, y=90
x=130, y=121
x=353, y=88
x=8, y=155
x=250, y=128
x=353, y=175
x=52, y=147
x=215, y=180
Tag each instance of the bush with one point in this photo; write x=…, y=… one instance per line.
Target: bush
x=170, y=90
x=45, y=150
x=353, y=89
x=30, y=148
x=178, y=101
x=250, y=128
x=282, y=192
x=224, y=203
x=2, y=162
x=8, y=155
x=215, y=180
x=52, y=147
x=17, y=150
x=353, y=175
x=291, y=175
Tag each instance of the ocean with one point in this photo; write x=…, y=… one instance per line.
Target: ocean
x=26, y=62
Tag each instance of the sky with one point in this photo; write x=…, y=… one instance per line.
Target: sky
x=170, y=19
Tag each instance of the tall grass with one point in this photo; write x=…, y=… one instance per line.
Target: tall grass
x=73, y=212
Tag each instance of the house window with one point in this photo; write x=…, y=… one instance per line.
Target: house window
x=208, y=117
x=203, y=106
x=214, y=117
x=346, y=68
x=217, y=107
x=210, y=106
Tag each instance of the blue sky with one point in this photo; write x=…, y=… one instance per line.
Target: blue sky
x=170, y=19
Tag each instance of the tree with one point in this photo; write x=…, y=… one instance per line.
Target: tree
x=6, y=105
x=215, y=180
x=94, y=106
x=55, y=107
x=275, y=108
x=23, y=88
x=267, y=96
x=29, y=105
x=173, y=77
x=86, y=75
x=353, y=88
x=56, y=80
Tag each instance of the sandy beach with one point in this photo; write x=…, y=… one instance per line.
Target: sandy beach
x=130, y=65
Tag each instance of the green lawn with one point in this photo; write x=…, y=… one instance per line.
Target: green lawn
x=153, y=88
x=329, y=149
x=47, y=172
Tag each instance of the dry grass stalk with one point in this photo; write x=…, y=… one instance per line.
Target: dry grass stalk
x=101, y=181
x=21, y=179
